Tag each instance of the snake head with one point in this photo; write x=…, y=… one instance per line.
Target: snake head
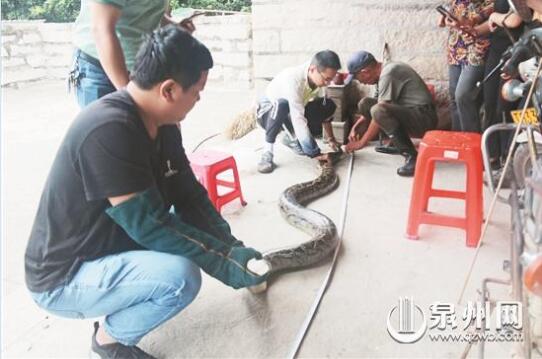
x=335, y=157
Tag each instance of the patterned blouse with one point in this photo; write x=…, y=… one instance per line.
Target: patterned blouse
x=461, y=51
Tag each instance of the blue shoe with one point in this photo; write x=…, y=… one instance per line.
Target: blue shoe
x=293, y=145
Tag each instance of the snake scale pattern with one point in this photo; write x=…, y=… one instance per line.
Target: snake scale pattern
x=292, y=204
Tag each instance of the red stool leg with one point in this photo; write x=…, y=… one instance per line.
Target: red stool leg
x=228, y=164
x=474, y=201
x=428, y=181
x=238, y=183
x=417, y=199
x=210, y=184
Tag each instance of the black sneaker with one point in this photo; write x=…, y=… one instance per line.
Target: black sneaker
x=388, y=149
x=115, y=350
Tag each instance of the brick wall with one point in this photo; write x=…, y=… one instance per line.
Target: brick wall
x=33, y=50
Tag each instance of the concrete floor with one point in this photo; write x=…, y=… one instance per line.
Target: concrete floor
x=376, y=266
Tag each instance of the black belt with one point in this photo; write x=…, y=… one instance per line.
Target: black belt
x=88, y=58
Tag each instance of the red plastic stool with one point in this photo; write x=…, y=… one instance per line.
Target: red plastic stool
x=450, y=147
x=207, y=165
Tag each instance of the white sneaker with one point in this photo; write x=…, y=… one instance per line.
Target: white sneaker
x=266, y=164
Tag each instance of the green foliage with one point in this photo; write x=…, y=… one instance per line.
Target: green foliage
x=228, y=5
x=18, y=9
x=61, y=10
x=50, y=10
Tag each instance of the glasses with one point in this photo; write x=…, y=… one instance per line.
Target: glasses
x=327, y=80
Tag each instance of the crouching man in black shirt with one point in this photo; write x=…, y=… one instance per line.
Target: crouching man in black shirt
x=104, y=241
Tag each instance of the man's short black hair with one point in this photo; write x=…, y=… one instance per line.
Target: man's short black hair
x=170, y=53
x=326, y=59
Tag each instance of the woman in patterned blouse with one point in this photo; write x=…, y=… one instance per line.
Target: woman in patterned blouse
x=468, y=45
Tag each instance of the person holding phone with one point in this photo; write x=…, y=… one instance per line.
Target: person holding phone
x=107, y=36
x=467, y=49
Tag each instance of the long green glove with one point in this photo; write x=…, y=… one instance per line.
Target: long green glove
x=146, y=220
x=203, y=214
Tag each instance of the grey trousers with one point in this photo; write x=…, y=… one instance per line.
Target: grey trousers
x=414, y=120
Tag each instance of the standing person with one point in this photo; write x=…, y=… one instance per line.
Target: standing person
x=295, y=99
x=467, y=50
x=496, y=109
x=104, y=241
x=107, y=35
x=404, y=106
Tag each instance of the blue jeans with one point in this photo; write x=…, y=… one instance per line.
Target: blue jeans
x=465, y=99
x=136, y=291
x=92, y=82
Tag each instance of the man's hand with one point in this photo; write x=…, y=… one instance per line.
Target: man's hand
x=350, y=147
x=450, y=22
x=492, y=22
x=242, y=255
x=324, y=158
x=441, y=21
x=353, y=136
x=335, y=146
x=460, y=24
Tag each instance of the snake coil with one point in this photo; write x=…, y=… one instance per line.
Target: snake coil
x=292, y=205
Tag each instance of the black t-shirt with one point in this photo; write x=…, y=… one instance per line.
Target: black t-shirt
x=106, y=152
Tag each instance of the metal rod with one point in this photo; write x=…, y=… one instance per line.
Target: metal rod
x=327, y=280
x=495, y=69
x=516, y=245
x=485, y=294
x=485, y=152
x=532, y=149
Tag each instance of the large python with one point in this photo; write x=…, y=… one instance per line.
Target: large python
x=292, y=205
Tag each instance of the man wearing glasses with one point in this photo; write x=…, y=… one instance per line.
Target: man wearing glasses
x=404, y=106
x=295, y=101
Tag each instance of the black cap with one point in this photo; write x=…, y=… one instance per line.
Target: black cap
x=357, y=62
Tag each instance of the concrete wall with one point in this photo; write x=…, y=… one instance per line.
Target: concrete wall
x=229, y=38
x=33, y=50
x=286, y=32
x=289, y=32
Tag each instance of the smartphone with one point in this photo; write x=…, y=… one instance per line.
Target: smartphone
x=441, y=9
x=195, y=14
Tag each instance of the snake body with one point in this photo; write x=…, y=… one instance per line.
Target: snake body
x=292, y=205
